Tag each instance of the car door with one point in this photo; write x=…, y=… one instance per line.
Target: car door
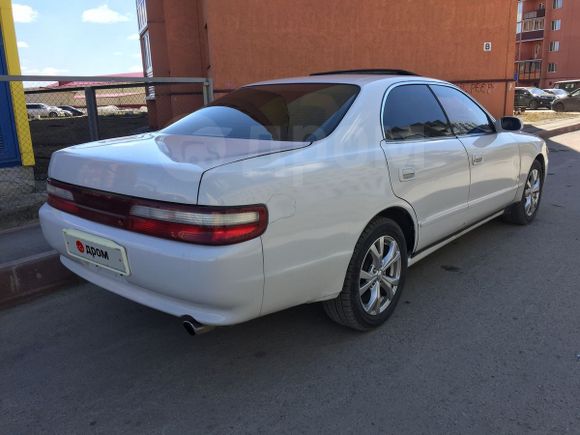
x=32, y=109
x=520, y=100
x=43, y=110
x=528, y=98
x=38, y=110
x=493, y=156
x=573, y=103
x=428, y=166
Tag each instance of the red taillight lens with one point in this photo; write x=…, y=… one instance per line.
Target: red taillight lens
x=186, y=223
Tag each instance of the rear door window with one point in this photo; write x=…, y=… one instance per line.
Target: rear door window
x=300, y=112
x=465, y=116
x=411, y=112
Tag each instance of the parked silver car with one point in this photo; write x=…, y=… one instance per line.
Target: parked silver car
x=41, y=110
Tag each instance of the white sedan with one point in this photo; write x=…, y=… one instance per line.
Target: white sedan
x=314, y=189
x=43, y=110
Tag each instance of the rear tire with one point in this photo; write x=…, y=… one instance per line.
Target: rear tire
x=374, y=280
x=524, y=212
x=559, y=107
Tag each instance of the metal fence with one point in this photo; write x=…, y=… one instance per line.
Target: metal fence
x=50, y=113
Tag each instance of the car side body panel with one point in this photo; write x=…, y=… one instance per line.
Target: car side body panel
x=494, y=166
x=530, y=147
x=439, y=188
x=319, y=199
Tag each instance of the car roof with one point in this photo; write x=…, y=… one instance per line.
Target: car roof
x=353, y=79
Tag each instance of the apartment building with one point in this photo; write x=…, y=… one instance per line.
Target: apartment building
x=235, y=42
x=547, y=42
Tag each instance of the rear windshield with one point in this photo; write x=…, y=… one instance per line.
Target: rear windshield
x=298, y=112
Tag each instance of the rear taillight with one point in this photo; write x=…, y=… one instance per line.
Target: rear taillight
x=187, y=223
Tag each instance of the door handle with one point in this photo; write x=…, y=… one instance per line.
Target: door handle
x=476, y=159
x=407, y=174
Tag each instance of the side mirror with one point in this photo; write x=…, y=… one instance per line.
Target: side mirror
x=511, y=123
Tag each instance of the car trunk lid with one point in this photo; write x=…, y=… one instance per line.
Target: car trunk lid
x=155, y=165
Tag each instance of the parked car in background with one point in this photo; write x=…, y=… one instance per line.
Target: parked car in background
x=315, y=189
x=558, y=93
x=43, y=110
x=532, y=98
x=571, y=103
x=568, y=85
x=72, y=110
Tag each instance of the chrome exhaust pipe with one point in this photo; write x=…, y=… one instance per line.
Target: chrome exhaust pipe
x=193, y=327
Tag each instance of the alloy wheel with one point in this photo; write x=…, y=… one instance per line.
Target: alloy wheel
x=379, y=275
x=532, y=192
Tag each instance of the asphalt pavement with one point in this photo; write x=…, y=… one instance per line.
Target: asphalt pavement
x=486, y=339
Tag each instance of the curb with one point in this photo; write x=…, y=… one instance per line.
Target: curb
x=33, y=276
x=546, y=134
x=21, y=214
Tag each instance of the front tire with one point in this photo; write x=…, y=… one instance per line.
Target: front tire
x=559, y=107
x=52, y=115
x=524, y=212
x=374, y=280
x=534, y=105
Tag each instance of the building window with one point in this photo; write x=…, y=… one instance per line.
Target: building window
x=146, y=47
x=558, y=4
x=141, y=14
x=552, y=68
x=555, y=46
x=533, y=24
x=147, y=62
x=556, y=24
x=542, y=6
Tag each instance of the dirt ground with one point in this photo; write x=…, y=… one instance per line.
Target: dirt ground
x=539, y=116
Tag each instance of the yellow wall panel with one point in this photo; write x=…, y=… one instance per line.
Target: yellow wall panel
x=16, y=88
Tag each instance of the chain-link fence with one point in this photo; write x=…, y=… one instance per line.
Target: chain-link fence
x=42, y=117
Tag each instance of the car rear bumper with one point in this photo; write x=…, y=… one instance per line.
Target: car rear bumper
x=216, y=285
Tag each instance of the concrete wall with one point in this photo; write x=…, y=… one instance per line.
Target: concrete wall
x=178, y=49
x=250, y=40
x=241, y=41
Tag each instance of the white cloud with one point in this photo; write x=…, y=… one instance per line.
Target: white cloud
x=23, y=13
x=103, y=15
x=136, y=68
x=22, y=44
x=133, y=37
x=46, y=71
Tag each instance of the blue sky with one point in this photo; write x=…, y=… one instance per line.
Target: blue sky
x=77, y=37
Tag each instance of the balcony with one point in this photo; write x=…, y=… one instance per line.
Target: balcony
x=530, y=36
x=539, y=13
x=528, y=70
